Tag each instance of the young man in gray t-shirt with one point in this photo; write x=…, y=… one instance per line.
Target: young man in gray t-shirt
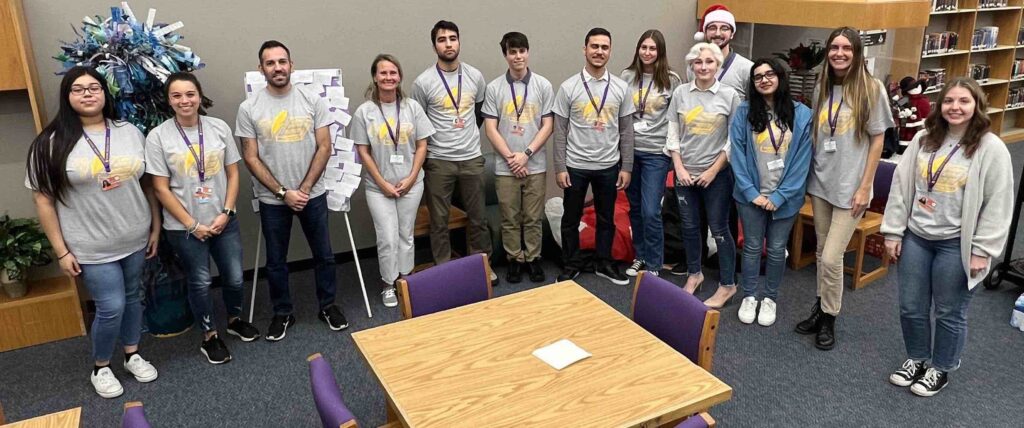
x=593, y=147
x=718, y=26
x=517, y=119
x=286, y=145
x=451, y=93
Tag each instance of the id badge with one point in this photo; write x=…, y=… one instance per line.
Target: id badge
x=830, y=145
x=776, y=164
x=459, y=123
x=518, y=130
x=109, y=182
x=203, y=194
x=599, y=126
x=927, y=204
x=640, y=126
x=397, y=159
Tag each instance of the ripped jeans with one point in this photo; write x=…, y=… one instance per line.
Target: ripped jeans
x=716, y=199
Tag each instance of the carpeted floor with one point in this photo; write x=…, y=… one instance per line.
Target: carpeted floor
x=779, y=378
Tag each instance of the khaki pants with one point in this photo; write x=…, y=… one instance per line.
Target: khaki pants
x=440, y=179
x=834, y=227
x=522, y=207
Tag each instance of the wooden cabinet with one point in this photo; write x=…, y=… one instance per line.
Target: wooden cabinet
x=17, y=67
x=50, y=311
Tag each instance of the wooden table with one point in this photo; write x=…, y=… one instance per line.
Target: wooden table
x=64, y=419
x=472, y=366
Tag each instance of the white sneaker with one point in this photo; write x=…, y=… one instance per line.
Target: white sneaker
x=767, y=315
x=141, y=369
x=635, y=268
x=106, y=384
x=389, y=297
x=748, y=310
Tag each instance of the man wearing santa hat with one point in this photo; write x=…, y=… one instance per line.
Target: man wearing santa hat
x=719, y=27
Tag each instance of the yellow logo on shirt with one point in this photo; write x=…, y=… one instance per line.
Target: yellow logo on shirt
x=700, y=122
x=589, y=112
x=952, y=179
x=529, y=111
x=653, y=104
x=448, y=107
x=285, y=128
x=763, y=140
x=384, y=137
x=121, y=166
x=843, y=125
x=185, y=163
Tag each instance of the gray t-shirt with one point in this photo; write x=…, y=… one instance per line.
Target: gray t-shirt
x=702, y=117
x=168, y=156
x=770, y=175
x=650, y=126
x=368, y=127
x=451, y=142
x=835, y=176
x=285, y=131
x=942, y=219
x=498, y=105
x=105, y=226
x=735, y=76
x=590, y=146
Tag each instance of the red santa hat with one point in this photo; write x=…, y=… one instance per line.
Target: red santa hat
x=714, y=13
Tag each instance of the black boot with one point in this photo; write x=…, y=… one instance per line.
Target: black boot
x=826, y=338
x=812, y=324
x=515, y=272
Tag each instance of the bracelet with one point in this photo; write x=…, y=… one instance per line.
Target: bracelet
x=192, y=229
x=65, y=255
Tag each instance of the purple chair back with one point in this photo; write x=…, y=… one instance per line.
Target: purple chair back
x=881, y=186
x=695, y=421
x=326, y=395
x=446, y=286
x=134, y=416
x=676, y=317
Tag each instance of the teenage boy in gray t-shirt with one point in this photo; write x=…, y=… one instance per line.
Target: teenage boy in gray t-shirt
x=718, y=26
x=286, y=145
x=593, y=146
x=451, y=93
x=517, y=119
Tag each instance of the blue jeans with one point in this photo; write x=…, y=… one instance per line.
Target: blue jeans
x=716, y=199
x=277, y=230
x=603, y=182
x=226, y=250
x=116, y=287
x=760, y=226
x=646, y=188
x=931, y=273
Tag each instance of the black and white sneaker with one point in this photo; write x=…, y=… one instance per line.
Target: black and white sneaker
x=279, y=327
x=243, y=330
x=215, y=351
x=612, y=273
x=679, y=269
x=909, y=373
x=334, y=318
x=635, y=268
x=931, y=383
x=568, y=274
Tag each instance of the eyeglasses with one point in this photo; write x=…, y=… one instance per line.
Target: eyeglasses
x=769, y=75
x=92, y=89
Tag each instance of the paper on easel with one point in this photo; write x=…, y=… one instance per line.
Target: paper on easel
x=353, y=168
x=344, y=157
x=332, y=174
x=561, y=354
x=344, y=190
x=340, y=116
x=350, y=180
x=343, y=144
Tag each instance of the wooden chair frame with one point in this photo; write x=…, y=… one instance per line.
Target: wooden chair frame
x=405, y=305
x=708, y=335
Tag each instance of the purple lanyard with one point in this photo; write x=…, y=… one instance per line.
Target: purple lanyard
x=643, y=100
x=201, y=157
x=725, y=67
x=771, y=135
x=398, y=121
x=449, y=89
x=105, y=156
x=833, y=121
x=515, y=104
x=590, y=95
x=934, y=178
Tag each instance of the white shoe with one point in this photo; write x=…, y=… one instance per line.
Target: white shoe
x=748, y=310
x=635, y=268
x=389, y=298
x=106, y=384
x=141, y=369
x=767, y=315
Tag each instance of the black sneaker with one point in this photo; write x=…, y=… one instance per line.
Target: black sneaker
x=635, y=268
x=215, y=350
x=515, y=272
x=611, y=272
x=536, y=271
x=909, y=373
x=931, y=383
x=334, y=318
x=679, y=269
x=568, y=274
x=243, y=330
x=279, y=327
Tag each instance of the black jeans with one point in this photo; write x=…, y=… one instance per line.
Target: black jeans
x=603, y=182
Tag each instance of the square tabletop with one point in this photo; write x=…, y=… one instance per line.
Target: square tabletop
x=472, y=366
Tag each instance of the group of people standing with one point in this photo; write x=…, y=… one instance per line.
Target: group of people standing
x=732, y=138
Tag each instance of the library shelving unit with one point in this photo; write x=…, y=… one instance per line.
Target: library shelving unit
x=17, y=68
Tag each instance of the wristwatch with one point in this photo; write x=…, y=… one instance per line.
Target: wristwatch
x=279, y=194
x=528, y=152
x=228, y=211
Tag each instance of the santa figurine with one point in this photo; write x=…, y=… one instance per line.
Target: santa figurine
x=918, y=105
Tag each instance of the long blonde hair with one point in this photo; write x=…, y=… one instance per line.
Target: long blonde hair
x=860, y=89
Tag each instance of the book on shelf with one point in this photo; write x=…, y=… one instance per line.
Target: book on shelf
x=1015, y=98
x=984, y=38
x=1020, y=36
x=944, y=5
x=980, y=72
x=936, y=78
x=937, y=43
x=991, y=4
x=1017, y=68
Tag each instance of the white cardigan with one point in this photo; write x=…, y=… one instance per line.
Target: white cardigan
x=987, y=204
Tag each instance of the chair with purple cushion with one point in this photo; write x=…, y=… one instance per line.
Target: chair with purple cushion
x=700, y=420
x=327, y=396
x=134, y=416
x=676, y=317
x=450, y=285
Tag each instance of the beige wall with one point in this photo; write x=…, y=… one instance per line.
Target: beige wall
x=343, y=34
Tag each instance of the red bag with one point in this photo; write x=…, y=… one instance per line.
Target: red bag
x=622, y=243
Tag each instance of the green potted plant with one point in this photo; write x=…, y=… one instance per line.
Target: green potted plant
x=22, y=245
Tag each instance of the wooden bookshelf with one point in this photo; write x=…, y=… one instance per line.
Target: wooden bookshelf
x=17, y=66
x=50, y=311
